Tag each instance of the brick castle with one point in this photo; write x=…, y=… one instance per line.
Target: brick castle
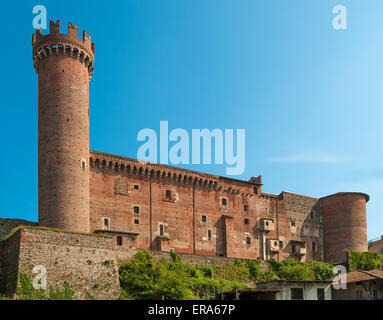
x=133, y=205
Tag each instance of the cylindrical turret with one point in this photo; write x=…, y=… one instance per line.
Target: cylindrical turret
x=64, y=65
x=344, y=225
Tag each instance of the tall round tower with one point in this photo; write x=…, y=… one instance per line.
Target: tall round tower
x=64, y=65
x=344, y=225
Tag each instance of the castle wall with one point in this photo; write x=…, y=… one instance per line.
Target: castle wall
x=192, y=259
x=7, y=225
x=305, y=223
x=194, y=219
x=9, y=264
x=87, y=262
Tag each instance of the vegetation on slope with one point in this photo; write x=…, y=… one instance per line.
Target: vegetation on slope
x=143, y=278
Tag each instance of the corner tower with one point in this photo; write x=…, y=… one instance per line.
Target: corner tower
x=64, y=64
x=344, y=225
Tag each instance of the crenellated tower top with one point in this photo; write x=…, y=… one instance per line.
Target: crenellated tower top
x=56, y=43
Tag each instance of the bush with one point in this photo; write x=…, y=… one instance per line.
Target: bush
x=26, y=291
x=322, y=270
x=364, y=260
x=142, y=278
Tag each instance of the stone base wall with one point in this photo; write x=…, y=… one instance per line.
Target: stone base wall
x=193, y=259
x=87, y=262
x=7, y=225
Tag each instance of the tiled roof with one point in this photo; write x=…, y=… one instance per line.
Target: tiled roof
x=360, y=275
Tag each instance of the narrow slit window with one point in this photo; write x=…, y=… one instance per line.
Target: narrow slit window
x=106, y=223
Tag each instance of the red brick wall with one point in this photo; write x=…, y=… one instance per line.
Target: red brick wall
x=344, y=225
x=194, y=195
x=87, y=262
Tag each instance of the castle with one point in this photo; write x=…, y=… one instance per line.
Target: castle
x=95, y=206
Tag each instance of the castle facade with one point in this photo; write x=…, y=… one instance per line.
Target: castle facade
x=148, y=206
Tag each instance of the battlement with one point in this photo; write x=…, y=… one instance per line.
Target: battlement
x=105, y=162
x=69, y=44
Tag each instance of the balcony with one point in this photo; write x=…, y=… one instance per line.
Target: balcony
x=273, y=245
x=302, y=251
x=266, y=224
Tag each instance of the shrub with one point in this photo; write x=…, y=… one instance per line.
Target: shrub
x=364, y=260
x=26, y=291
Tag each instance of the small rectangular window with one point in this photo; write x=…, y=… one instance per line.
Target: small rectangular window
x=106, y=224
x=293, y=248
x=246, y=221
x=320, y=294
x=203, y=218
x=248, y=241
x=136, y=209
x=209, y=234
x=168, y=195
x=246, y=208
x=136, y=187
x=161, y=229
x=292, y=223
x=314, y=247
x=119, y=240
x=224, y=202
x=136, y=221
x=296, y=293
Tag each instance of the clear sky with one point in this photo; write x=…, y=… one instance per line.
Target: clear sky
x=309, y=96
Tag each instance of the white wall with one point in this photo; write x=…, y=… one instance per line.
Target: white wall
x=309, y=290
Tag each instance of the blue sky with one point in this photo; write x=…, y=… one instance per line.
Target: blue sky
x=309, y=96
